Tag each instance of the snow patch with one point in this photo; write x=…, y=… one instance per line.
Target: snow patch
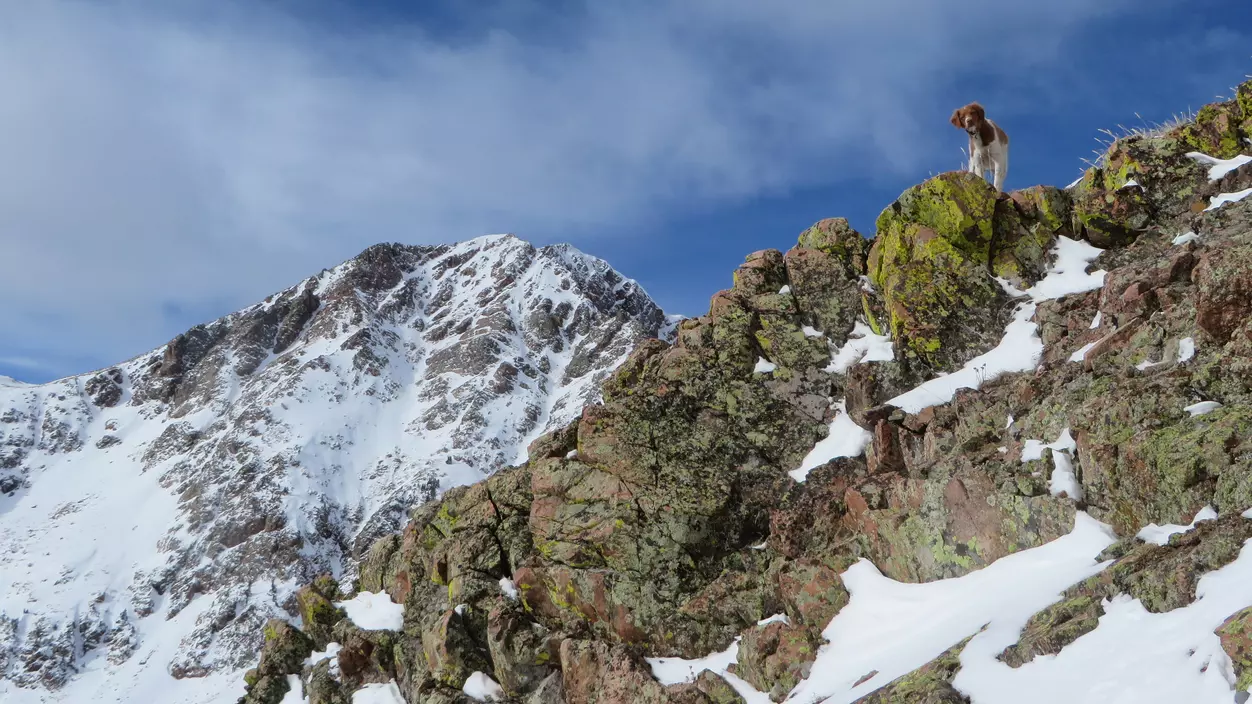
x=892, y=628
x=295, y=691
x=1021, y=348
x=1132, y=655
x=784, y=290
x=1095, y=322
x=764, y=366
x=378, y=694
x=671, y=671
x=776, y=618
x=1131, y=183
x=1202, y=408
x=508, y=588
x=331, y=651
x=1186, y=237
x=1226, y=198
x=1160, y=535
x=372, y=611
x=1063, y=481
x=481, y=688
x=1081, y=353
x=845, y=439
x=810, y=331
x=1186, y=349
x=1219, y=167
x=862, y=346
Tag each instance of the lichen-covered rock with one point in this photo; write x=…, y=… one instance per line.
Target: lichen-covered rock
x=284, y=653
x=931, y=259
x=929, y=684
x=1050, y=630
x=1164, y=577
x=452, y=654
x=1236, y=636
x=523, y=652
x=708, y=688
x=318, y=613
x=776, y=657
x=594, y=672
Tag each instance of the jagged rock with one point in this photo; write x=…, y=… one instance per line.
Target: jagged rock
x=929, y=684
x=1050, y=630
x=452, y=654
x=523, y=652
x=1236, y=637
x=931, y=259
x=317, y=612
x=776, y=657
x=284, y=653
x=597, y=673
x=105, y=388
x=708, y=688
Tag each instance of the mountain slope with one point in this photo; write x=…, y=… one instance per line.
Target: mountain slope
x=155, y=514
x=1041, y=494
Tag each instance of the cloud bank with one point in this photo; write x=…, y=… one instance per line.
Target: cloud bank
x=165, y=163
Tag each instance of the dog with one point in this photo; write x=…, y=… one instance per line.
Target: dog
x=988, y=144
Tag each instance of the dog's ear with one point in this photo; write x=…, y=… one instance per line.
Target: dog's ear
x=979, y=113
x=956, y=119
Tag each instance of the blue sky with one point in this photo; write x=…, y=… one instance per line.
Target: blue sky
x=169, y=162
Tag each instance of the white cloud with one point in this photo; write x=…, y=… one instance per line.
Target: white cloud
x=207, y=155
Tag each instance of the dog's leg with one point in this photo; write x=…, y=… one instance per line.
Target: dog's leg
x=1002, y=170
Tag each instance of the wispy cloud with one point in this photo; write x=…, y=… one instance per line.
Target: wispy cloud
x=188, y=155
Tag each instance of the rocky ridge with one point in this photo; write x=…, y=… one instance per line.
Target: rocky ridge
x=154, y=515
x=663, y=522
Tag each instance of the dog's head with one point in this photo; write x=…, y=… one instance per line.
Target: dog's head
x=969, y=118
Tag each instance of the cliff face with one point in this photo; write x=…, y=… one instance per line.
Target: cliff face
x=155, y=514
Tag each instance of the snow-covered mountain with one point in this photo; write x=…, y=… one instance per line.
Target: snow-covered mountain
x=154, y=514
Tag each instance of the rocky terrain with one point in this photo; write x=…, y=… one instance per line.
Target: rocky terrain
x=1040, y=495
x=154, y=515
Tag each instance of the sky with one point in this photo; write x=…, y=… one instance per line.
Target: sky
x=170, y=161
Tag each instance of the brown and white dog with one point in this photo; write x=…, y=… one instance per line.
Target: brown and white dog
x=988, y=144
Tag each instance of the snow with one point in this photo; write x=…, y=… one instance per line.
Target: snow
x=1160, y=535
x=460, y=609
x=1063, y=481
x=378, y=694
x=810, y=331
x=845, y=439
x=295, y=691
x=1202, y=408
x=893, y=627
x=670, y=671
x=1009, y=424
x=482, y=688
x=1081, y=353
x=1146, y=364
x=1186, y=349
x=759, y=546
x=1132, y=656
x=1226, y=198
x=372, y=611
x=1247, y=514
x=764, y=366
x=1021, y=348
x=1130, y=183
x=508, y=588
x=572, y=454
x=1095, y=322
x=776, y=618
x=1186, y=237
x=1219, y=167
x=331, y=651
x=784, y=290
x=862, y=346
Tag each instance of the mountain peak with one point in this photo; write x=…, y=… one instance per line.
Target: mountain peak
x=275, y=443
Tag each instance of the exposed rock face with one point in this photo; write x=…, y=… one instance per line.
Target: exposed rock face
x=207, y=480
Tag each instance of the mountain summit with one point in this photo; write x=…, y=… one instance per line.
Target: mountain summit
x=155, y=514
